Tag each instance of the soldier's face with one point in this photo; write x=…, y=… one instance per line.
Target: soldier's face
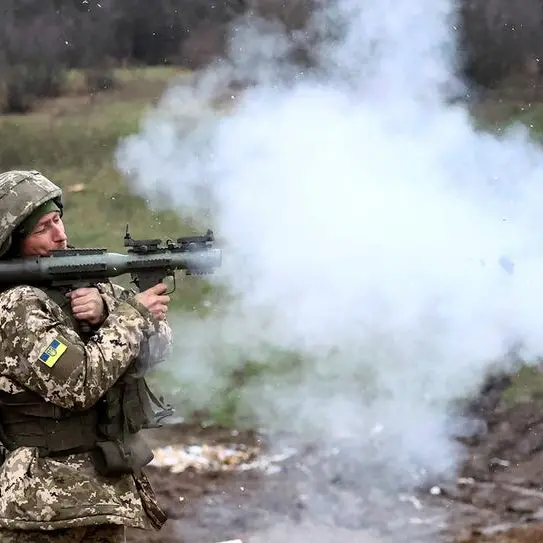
x=48, y=235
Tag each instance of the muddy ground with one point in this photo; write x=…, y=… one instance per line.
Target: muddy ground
x=312, y=496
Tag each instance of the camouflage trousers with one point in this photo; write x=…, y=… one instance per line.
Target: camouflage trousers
x=107, y=533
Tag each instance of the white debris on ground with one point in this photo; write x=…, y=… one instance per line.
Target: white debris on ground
x=217, y=458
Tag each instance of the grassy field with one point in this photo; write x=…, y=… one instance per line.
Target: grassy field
x=72, y=140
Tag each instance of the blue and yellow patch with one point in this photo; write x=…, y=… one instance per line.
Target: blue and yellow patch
x=52, y=353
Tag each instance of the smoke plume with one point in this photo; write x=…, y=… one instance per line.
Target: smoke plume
x=381, y=252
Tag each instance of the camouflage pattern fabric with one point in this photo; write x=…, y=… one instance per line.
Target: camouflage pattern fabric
x=45, y=493
x=93, y=534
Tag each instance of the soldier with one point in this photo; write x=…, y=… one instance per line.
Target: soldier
x=72, y=397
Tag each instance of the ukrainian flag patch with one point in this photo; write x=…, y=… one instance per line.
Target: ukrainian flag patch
x=52, y=353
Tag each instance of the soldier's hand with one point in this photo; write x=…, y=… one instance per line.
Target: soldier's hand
x=155, y=300
x=87, y=305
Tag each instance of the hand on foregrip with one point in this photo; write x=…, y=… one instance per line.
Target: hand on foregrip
x=155, y=300
x=87, y=305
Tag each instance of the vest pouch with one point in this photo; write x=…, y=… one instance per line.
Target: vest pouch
x=115, y=458
x=137, y=405
x=136, y=408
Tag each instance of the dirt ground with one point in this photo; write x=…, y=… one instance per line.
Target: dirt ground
x=496, y=497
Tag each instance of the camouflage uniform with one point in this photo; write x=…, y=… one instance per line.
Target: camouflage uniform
x=90, y=534
x=65, y=495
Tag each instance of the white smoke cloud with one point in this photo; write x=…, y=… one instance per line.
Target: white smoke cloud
x=363, y=218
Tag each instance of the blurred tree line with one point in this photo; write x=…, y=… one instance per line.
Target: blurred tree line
x=41, y=39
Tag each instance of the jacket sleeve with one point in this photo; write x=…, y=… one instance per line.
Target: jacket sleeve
x=41, y=351
x=158, y=346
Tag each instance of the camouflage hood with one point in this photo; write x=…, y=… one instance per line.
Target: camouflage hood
x=21, y=192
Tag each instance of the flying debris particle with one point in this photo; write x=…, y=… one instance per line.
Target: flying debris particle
x=507, y=264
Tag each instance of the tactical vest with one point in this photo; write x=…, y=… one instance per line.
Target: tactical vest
x=108, y=430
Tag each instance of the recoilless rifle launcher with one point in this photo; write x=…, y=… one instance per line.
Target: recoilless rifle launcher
x=147, y=261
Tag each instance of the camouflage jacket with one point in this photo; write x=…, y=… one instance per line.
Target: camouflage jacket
x=51, y=493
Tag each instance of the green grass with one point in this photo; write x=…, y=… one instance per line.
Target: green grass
x=527, y=384
x=496, y=116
